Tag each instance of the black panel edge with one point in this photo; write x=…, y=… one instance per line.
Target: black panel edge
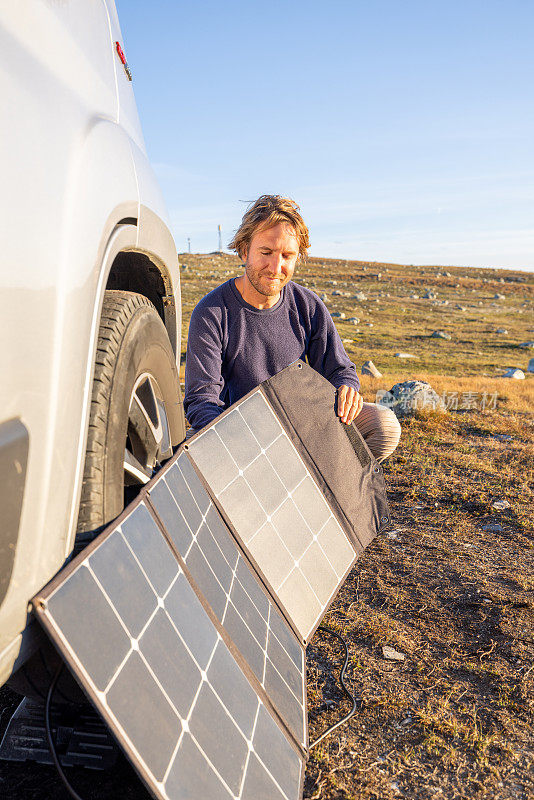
x=362, y=452
x=236, y=653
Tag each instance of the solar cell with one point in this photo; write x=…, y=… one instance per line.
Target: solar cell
x=147, y=652
x=277, y=511
x=233, y=591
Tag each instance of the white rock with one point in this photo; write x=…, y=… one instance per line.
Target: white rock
x=360, y=297
x=324, y=297
x=498, y=296
x=502, y=330
x=406, y=397
x=391, y=654
x=500, y=505
x=440, y=335
x=527, y=345
x=353, y=320
x=404, y=355
x=339, y=314
x=518, y=374
x=370, y=369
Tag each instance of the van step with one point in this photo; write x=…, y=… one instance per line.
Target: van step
x=81, y=737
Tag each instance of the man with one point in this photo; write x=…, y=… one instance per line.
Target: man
x=253, y=326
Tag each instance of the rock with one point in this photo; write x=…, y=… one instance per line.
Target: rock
x=404, y=355
x=324, y=297
x=336, y=292
x=347, y=341
x=518, y=374
x=500, y=505
x=527, y=345
x=530, y=367
x=429, y=295
x=460, y=308
x=493, y=527
x=369, y=369
x=391, y=654
x=440, y=335
x=405, y=398
x=359, y=296
x=353, y=320
x=498, y=296
x=339, y=314
x=501, y=437
x=502, y=330
x=369, y=324
x=414, y=297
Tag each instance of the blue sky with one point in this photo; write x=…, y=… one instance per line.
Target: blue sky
x=404, y=129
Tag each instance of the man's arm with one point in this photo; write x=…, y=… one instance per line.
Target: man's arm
x=203, y=378
x=327, y=355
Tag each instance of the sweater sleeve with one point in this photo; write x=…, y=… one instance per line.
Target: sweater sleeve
x=203, y=377
x=326, y=353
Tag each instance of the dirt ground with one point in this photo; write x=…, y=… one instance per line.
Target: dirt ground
x=449, y=586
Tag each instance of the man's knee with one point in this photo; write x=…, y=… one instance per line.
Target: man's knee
x=390, y=431
x=380, y=428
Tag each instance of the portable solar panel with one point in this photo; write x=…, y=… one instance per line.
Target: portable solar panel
x=300, y=490
x=167, y=679
x=185, y=621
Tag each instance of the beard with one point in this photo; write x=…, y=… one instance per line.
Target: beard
x=262, y=284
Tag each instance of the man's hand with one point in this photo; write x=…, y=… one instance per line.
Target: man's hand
x=349, y=403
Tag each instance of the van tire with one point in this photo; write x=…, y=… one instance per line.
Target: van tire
x=132, y=341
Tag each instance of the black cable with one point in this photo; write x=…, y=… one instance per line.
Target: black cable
x=51, y=745
x=343, y=684
x=49, y=674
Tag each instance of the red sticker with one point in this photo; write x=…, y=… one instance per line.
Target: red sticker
x=124, y=63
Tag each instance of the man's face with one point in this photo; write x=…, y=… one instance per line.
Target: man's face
x=271, y=259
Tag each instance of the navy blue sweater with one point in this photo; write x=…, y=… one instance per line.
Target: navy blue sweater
x=232, y=347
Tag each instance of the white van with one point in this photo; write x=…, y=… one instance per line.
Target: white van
x=90, y=314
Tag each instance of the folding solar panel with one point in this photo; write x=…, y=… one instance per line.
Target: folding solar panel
x=153, y=658
x=186, y=620
x=263, y=474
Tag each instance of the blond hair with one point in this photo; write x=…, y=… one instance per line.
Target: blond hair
x=267, y=211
